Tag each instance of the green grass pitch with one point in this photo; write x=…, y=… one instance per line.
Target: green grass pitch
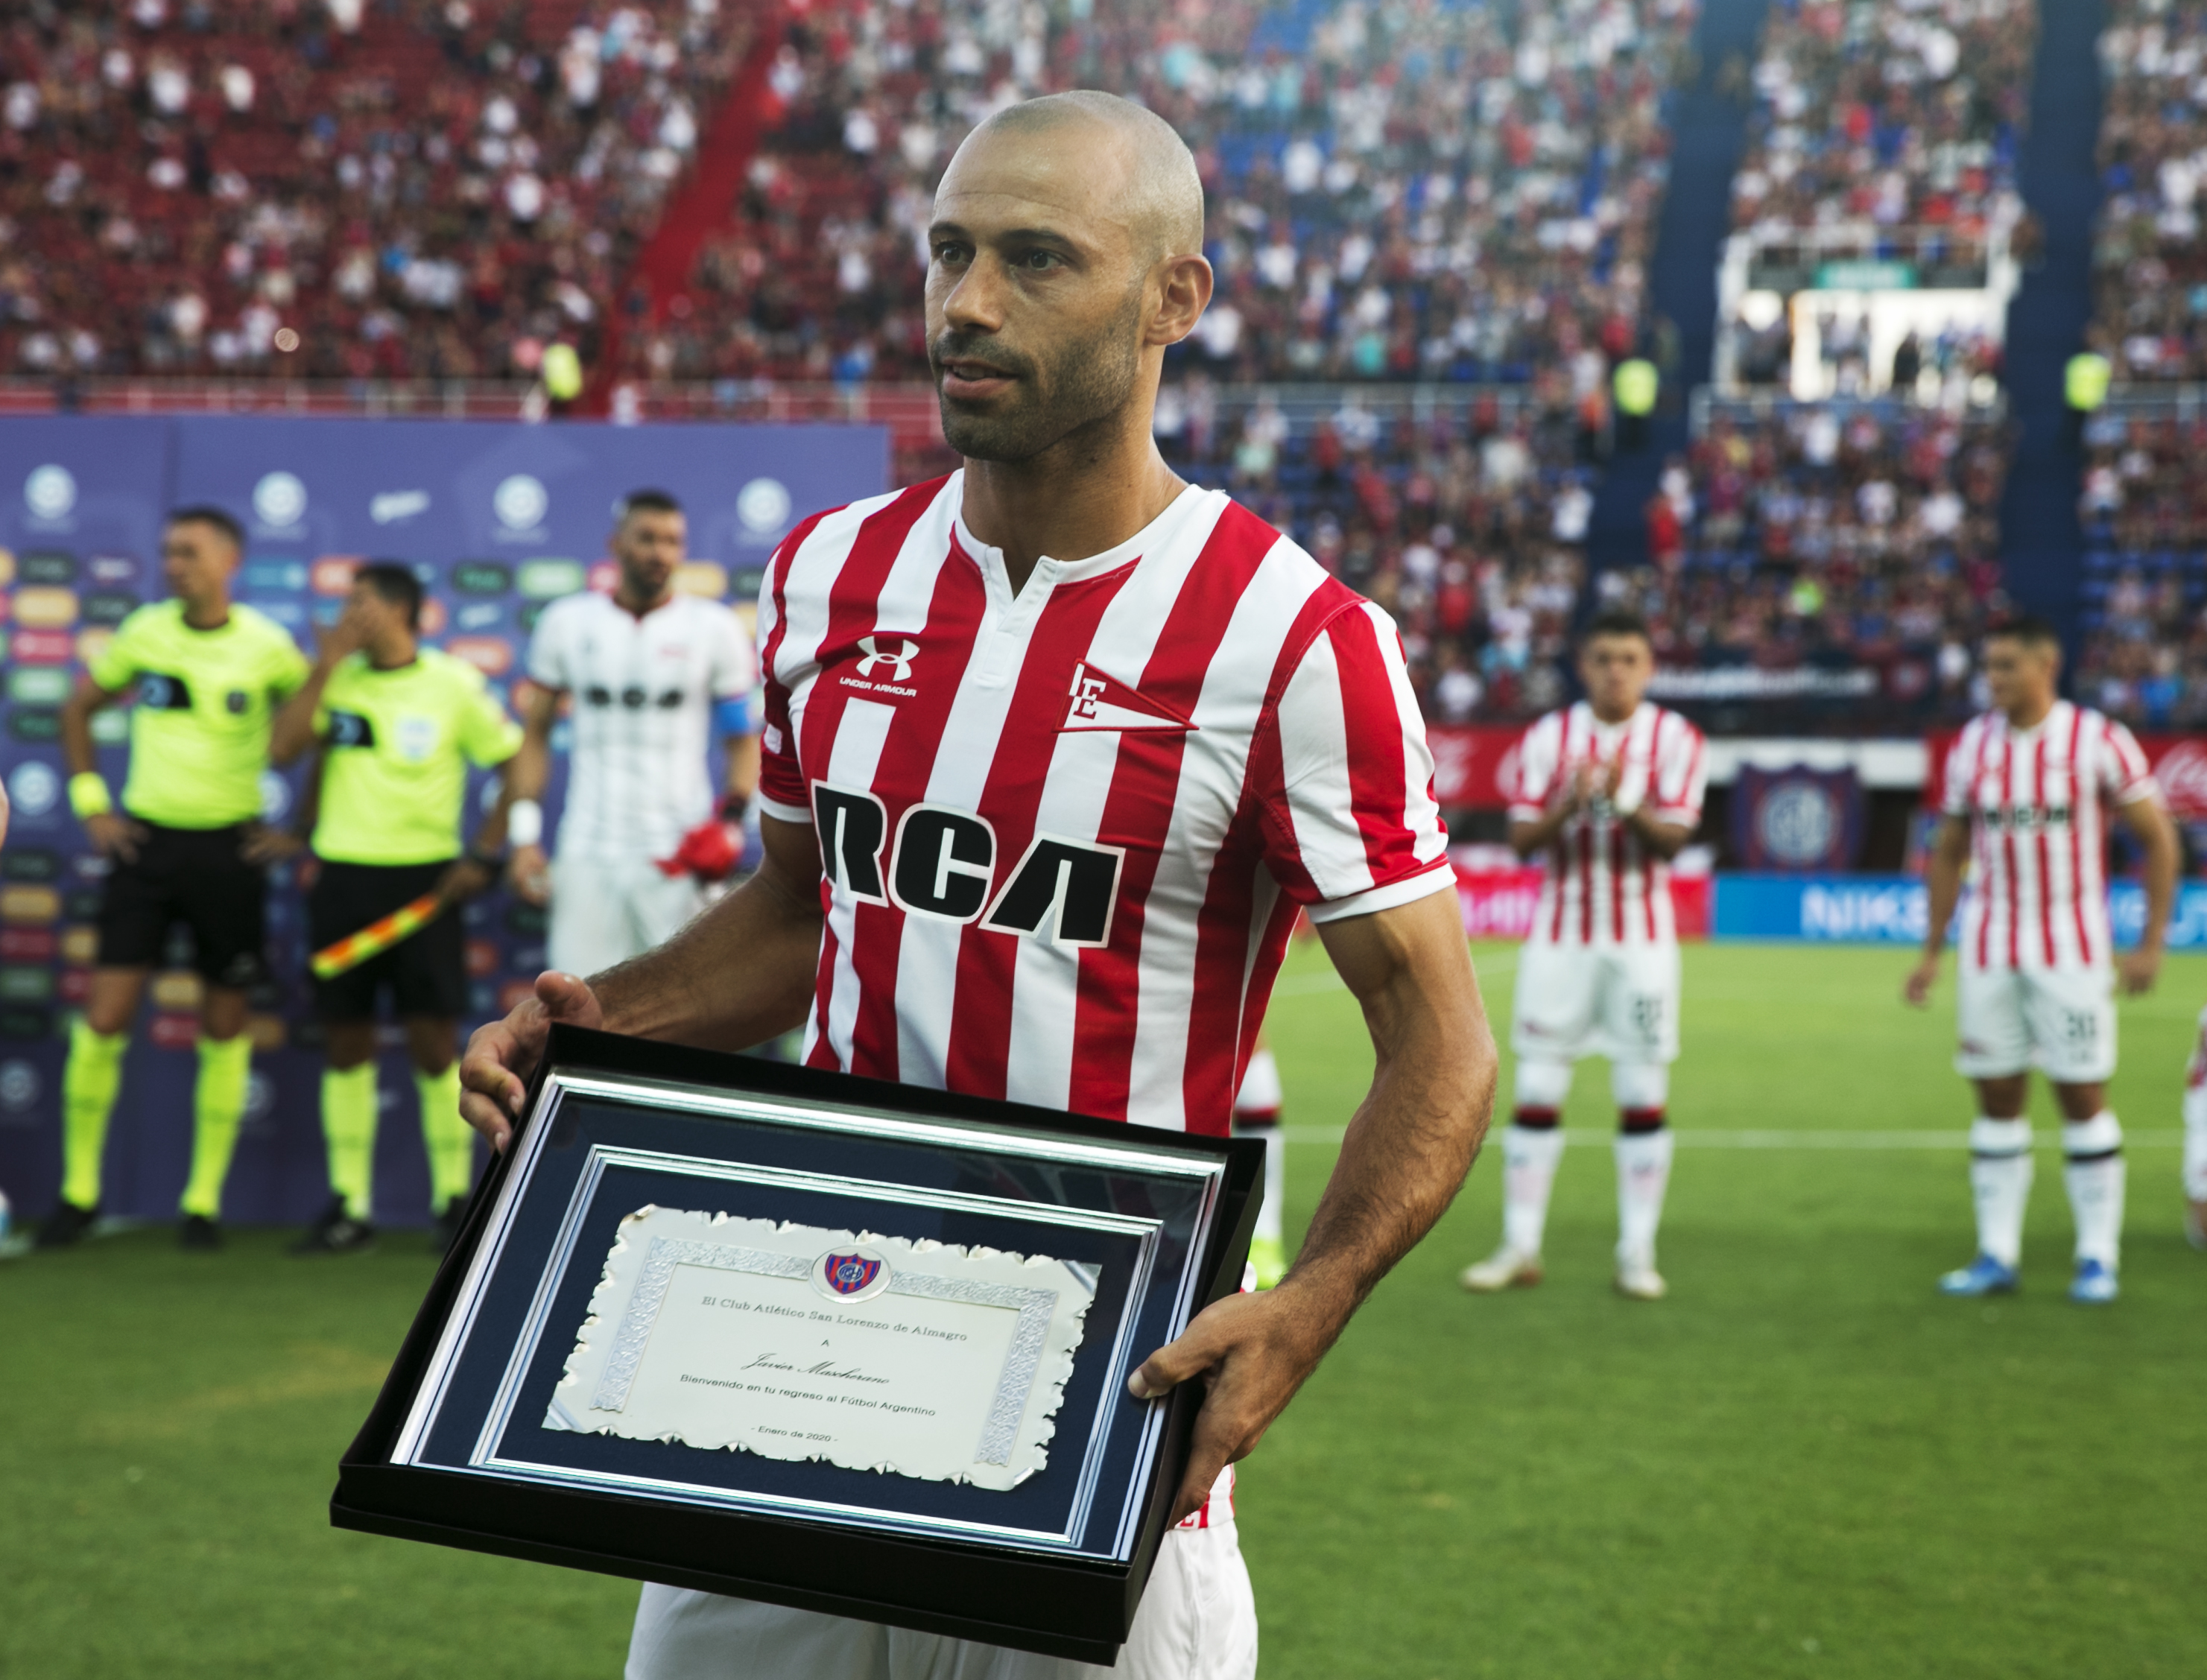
x=1804, y=1462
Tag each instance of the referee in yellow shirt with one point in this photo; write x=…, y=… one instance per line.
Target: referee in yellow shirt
x=187, y=846
x=398, y=723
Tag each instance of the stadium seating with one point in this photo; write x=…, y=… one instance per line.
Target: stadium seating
x=1472, y=204
x=332, y=188
x=1825, y=554
x=1895, y=119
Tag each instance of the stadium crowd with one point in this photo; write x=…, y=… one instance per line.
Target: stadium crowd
x=2150, y=273
x=1895, y=114
x=1824, y=534
x=334, y=188
x=2144, y=605
x=1464, y=194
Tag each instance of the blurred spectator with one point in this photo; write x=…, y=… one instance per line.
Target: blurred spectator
x=2144, y=607
x=1816, y=538
x=183, y=190
x=2150, y=269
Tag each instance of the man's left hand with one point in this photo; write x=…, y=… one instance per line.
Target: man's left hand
x=2136, y=971
x=267, y=844
x=1253, y=1353
x=463, y=880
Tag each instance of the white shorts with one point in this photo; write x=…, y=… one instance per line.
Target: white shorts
x=2060, y=1020
x=605, y=911
x=1198, y=1621
x=1617, y=1001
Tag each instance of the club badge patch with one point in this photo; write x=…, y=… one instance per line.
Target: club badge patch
x=852, y=1275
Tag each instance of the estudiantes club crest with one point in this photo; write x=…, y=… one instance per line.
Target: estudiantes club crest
x=851, y=1274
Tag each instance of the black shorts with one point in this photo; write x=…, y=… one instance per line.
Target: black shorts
x=196, y=876
x=425, y=972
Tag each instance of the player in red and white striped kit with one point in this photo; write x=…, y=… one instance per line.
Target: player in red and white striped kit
x=2024, y=786
x=1056, y=750
x=1607, y=791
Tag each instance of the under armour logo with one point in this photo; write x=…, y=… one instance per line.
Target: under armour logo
x=900, y=656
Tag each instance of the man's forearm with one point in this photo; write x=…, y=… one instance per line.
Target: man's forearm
x=2160, y=868
x=741, y=974
x=1405, y=1155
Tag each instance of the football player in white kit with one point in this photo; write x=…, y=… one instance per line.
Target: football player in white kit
x=652, y=674
x=1608, y=791
x=2024, y=784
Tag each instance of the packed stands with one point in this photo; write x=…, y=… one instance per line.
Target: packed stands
x=2144, y=590
x=1464, y=512
x=1827, y=559
x=334, y=188
x=2149, y=272
x=1460, y=193
x=1887, y=117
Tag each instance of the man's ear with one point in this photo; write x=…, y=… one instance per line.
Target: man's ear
x=1184, y=288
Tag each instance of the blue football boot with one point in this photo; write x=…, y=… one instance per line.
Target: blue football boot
x=1983, y=1275
x=2094, y=1285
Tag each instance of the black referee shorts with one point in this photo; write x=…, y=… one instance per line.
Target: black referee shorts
x=425, y=973
x=196, y=876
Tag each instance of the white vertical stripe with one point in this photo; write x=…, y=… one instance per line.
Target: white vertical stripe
x=1421, y=813
x=1315, y=766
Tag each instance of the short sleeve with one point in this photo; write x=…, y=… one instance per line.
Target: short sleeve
x=1346, y=778
x=549, y=664
x=1682, y=773
x=1954, y=800
x=487, y=735
x=118, y=661
x=2125, y=773
x=288, y=668
x=782, y=790
x=1533, y=779
x=735, y=666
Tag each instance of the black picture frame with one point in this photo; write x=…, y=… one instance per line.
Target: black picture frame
x=1065, y=1598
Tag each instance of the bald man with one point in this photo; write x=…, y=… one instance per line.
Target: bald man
x=1123, y=732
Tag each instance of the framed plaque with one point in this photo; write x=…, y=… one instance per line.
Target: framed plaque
x=825, y=1341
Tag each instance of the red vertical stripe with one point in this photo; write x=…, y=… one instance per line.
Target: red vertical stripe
x=1138, y=810
x=1378, y=784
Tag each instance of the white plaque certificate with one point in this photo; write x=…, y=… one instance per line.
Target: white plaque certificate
x=798, y=1341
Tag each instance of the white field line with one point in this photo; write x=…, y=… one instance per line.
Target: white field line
x=1695, y=1138
x=1312, y=985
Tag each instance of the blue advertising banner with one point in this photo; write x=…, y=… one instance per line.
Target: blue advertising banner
x=497, y=520
x=1895, y=910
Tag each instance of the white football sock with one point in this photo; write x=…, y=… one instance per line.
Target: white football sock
x=1529, y=1155
x=2195, y=1141
x=1257, y=1115
x=2093, y=1171
x=1643, y=1174
x=2000, y=1170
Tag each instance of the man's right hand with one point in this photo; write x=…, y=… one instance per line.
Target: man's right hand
x=115, y=835
x=528, y=873
x=494, y=1073
x=1921, y=979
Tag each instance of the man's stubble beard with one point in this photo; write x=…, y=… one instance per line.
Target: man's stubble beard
x=1082, y=381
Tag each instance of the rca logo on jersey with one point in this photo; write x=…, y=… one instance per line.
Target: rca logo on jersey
x=898, y=655
x=1101, y=701
x=943, y=866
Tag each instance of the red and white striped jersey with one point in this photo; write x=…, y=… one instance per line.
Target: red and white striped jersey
x=1064, y=832
x=1603, y=887
x=2038, y=895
